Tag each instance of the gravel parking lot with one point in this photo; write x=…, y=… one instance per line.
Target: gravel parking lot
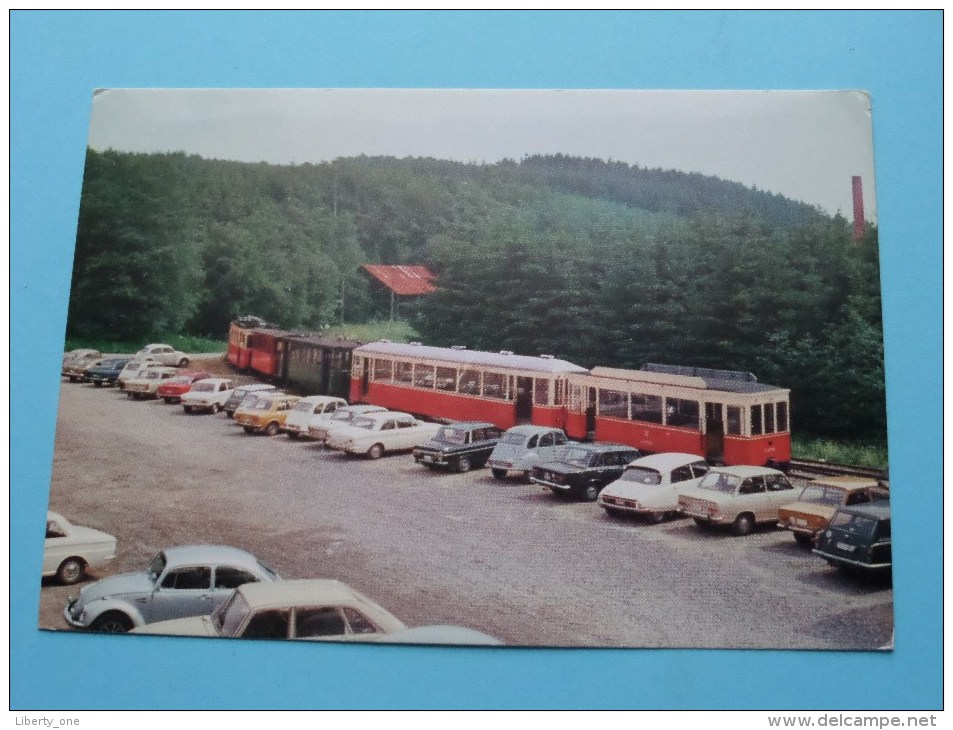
x=506, y=558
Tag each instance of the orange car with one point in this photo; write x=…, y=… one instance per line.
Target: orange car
x=820, y=499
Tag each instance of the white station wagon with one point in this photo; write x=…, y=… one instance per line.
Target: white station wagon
x=207, y=395
x=320, y=426
x=737, y=496
x=374, y=434
x=305, y=410
x=650, y=486
x=70, y=549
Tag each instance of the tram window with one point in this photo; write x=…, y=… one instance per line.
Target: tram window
x=541, y=392
x=559, y=392
x=613, y=403
x=646, y=408
x=782, y=416
x=734, y=421
x=356, y=364
x=423, y=375
x=470, y=382
x=446, y=378
x=769, y=417
x=681, y=413
x=404, y=372
x=494, y=385
x=383, y=370
x=755, y=420
x=576, y=398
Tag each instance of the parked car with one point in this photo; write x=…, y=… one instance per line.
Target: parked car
x=135, y=368
x=147, y=385
x=171, y=390
x=164, y=354
x=76, y=370
x=312, y=407
x=238, y=395
x=858, y=538
x=582, y=470
x=70, y=550
x=460, y=446
x=650, y=485
x=819, y=500
x=314, y=609
x=737, y=496
x=82, y=353
x=320, y=426
x=375, y=434
x=267, y=414
x=522, y=447
x=210, y=395
x=106, y=372
x=190, y=580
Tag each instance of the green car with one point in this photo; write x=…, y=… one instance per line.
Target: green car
x=858, y=538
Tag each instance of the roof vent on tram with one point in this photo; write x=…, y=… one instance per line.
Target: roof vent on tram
x=416, y=344
x=506, y=352
x=384, y=340
x=547, y=357
x=458, y=347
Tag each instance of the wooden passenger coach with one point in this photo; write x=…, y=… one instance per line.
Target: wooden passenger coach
x=320, y=365
x=461, y=384
x=725, y=416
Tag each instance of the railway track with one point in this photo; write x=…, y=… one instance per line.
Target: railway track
x=810, y=469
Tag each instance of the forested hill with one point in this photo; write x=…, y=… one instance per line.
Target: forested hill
x=596, y=262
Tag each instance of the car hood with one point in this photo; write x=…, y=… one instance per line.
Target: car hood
x=191, y=626
x=118, y=585
x=560, y=467
x=79, y=534
x=440, y=446
x=811, y=509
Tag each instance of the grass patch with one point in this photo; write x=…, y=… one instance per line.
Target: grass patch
x=837, y=452
x=396, y=331
x=185, y=343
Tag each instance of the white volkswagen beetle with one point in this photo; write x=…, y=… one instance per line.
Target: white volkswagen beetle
x=650, y=485
x=374, y=434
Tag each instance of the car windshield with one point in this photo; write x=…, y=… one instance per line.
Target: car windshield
x=113, y=363
x=154, y=375
x=230, y=617
x=822, y=495
x=367, y=423
x=262, y=404
x=343, y=416
x=855, y=524
x=203, y=387
x=304, y=406
x=576, y=456
x=641, y=475
x=718, y=481
x=517, y=439
x=157, y=566
x=450, y=435
x=180, y=379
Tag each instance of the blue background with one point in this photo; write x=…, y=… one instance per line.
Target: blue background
x=58, y=58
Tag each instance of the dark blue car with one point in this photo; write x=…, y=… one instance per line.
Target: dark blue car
x=106, y=372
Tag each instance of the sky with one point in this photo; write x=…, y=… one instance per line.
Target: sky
x=801, y=144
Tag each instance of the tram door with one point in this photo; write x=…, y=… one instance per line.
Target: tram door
x=366, y=376
x=524, y=399
x=714, y=436
x=591, y=412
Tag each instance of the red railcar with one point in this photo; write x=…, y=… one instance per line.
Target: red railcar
x=725, y=416
x=241, y=335
x=461, y=384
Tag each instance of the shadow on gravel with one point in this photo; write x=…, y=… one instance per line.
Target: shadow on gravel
x=845, y=582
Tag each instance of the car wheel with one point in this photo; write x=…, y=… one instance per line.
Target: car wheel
x=702, y=524
x=215, y=408
x=229, y=413
x=803, y=540
x=463, y=464
x=498, y=473
x=743, y=524
x=592, y=493
x=113, y=622
x=655, y=517
x=271, y=429
x=248, y=429
x=183, y=362
x=187, y=409
x=98, y=383
x=611, y=511
x=376, y=451
x=70, y=571
x=292, y=434
x=72, y=378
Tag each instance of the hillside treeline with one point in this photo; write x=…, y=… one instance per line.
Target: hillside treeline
x=592, y=261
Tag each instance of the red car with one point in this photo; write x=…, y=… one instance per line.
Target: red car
x=171, y=391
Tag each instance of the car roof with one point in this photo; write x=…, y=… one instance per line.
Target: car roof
x=214, y=554
x=302, y=592
x=878, y=509
x=470, y=424
x=56, y=516
x=361, y=408
x=600, y=446
x=668, y=460
x=746, y=471
x=845, y=482
x=528, y=430
x=251, y=387
x=381, y=415
x=214, y=380
x=320, y=399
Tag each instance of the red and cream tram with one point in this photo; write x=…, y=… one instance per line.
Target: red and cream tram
x=725, y=416
x=461, y=384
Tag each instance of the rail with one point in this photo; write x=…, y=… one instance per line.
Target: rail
x=810, y=469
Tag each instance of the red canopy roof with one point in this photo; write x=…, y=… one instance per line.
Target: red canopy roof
x=403, y=279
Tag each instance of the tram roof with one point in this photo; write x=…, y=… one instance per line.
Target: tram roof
x=471, y=357
x=729, y=381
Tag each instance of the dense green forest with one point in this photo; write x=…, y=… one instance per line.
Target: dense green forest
x=600, y=263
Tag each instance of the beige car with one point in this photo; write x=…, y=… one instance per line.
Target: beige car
x=147, y=386
x=267, y=414
x=819, y=500
x=738, y=497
